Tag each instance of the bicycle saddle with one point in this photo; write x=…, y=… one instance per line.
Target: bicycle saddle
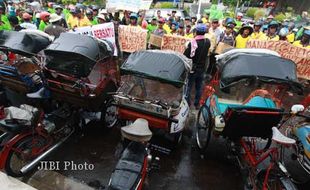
x=278, y=137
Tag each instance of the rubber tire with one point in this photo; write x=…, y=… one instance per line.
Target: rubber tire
x=19, y=143
x=108, y=102
x=202, y=147
x=283, y=181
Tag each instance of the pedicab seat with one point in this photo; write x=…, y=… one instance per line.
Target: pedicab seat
x=245, y=121
x=129, y=167
x=256, y=101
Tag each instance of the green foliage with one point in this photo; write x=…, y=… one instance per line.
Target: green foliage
x=260, y=13
x=67, y=2
x=251, y=11
x=280, y=17
x=290, y=9
x=214, y=1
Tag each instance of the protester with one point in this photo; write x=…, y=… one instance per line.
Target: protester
x=189, y=32
x=283, y=34
x=59, y=11
x=27, y=22
x=159, y=15
x=90, y=15
x=101, y=19
x=44, y=19
x=55, y=28
x=4, y=22
x=205, y=18
x=216, y=30
x=15, y=23
x=196, y=51
x=244, y=36
x=187, y=21
x=133, y=19
x=305, y=40
x=291, y=34
x=227, y=36
x=180, y=30
x=239, y=21
x=160, y=31
x=174, y=28
x=272, y=31
x=257, y=33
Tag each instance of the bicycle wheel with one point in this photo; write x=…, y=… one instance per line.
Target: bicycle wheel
x=22, y=153
x=203, y=128
x=276, y=181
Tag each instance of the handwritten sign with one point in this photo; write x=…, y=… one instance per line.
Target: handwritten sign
x=155, y=40
x=100, y=31
x=301, y=56
x=175, y=43
x=132, y=38
x=130, y=5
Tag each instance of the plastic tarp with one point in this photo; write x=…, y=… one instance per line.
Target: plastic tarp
x=166, y=66
x=264, y=67
x=23, y=43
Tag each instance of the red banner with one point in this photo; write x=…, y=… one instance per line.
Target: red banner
x=301, y=56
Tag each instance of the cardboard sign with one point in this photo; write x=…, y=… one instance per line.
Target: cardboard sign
x=175, y=43
x=100, y=31
x=129, y=5
x=221, y=47
x=301, y=56
x=132, y=38
x=155, y=40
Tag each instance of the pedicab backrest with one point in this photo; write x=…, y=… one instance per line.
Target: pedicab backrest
x=250, y=121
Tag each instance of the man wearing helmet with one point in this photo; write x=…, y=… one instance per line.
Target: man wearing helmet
x=272, y=31
x=44, y=17
x=196, y=50
x=133, y=19
x=90, y=15
x=257, y=33
x=244, y=36
x=305, y=40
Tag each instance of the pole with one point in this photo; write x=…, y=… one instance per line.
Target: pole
x=199, y=8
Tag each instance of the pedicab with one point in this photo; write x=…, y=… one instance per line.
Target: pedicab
x=20, y=59
x=249, y=122
x=80, y=71
x=152, y=87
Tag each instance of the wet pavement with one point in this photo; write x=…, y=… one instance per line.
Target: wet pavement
x=182, y=169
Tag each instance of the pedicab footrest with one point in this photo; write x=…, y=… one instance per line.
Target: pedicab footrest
x=251, y=121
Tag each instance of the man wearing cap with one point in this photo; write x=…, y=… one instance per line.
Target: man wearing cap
x=59, y=11
x=55, y=28
x=305, y=40
x=133, y=19
x=257, y=33
x=4, y=22
x=187, y=21
x=239, y=21
x=244, y=36
x=196, y=50
x=174, y=28
x=27, y=18
x=216, y=30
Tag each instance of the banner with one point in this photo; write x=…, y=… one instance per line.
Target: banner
x=175, y=43
x=155, y=40
x=129, y=5
x=301, y=56
x=132, y=38
x=100, y=31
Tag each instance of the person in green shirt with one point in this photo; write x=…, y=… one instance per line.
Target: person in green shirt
x=90, y=16
x=44, y=16
x=152, y=26
x=4, y=22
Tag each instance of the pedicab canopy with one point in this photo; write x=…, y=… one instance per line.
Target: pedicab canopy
x=76, y=54
x=165, y=66
x=23, y=43
x=265, y=66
